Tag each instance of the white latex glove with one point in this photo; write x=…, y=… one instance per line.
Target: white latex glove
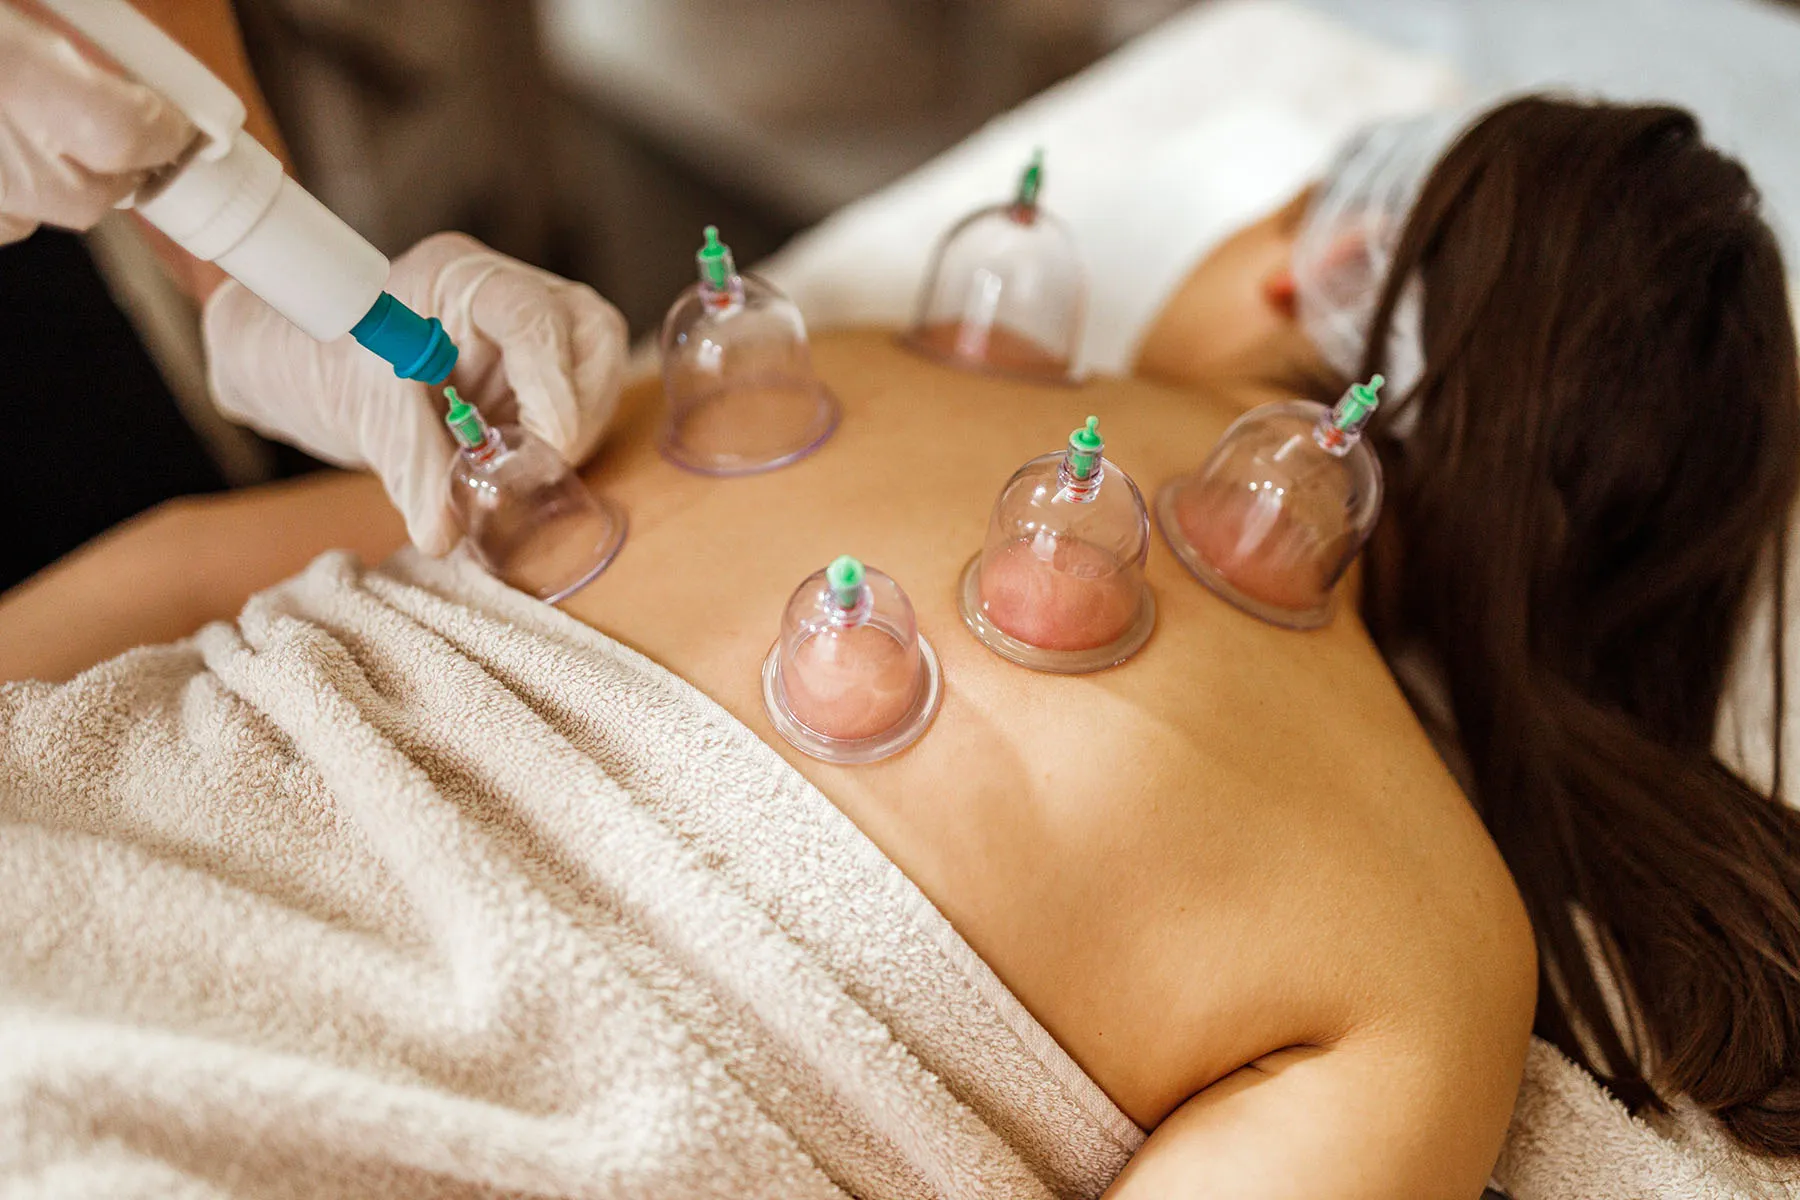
x=74, y=140
x=536, y=350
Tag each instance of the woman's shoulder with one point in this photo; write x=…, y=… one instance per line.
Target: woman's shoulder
x=1401, y=862
x=1335, y=867
x=1443, y=979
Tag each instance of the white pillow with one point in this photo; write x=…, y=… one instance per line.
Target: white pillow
x=1152, y=155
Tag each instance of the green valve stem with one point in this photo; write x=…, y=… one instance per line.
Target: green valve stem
x=1032, y=181
x=845, y=578
x=1356, y=405
x=1085, y=445
x=716, y=264
x=470, y=430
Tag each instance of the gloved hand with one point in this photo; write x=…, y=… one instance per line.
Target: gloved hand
x=74, y=140
x=536, y=350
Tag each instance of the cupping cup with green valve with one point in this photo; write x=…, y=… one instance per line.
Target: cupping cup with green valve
x=1059, y=585
x=850, y=679
x=738, y=375
x=1006, y=291
x=528, y=518
x=1281, y=508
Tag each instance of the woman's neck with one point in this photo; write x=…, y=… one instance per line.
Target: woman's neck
x=1277, y=367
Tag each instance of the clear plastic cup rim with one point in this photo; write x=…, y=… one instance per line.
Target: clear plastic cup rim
x=1215, y=581
x=854, y=751
x=1055, y=662
x=913, y=343
x=671, y=447
x=609, y=550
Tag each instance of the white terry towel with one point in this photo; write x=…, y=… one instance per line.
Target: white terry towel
x=406, y=884
x=1570, y=1140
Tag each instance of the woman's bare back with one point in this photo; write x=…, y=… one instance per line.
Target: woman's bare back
x=1238, y=842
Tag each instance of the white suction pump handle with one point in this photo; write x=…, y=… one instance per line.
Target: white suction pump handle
x=228, y=202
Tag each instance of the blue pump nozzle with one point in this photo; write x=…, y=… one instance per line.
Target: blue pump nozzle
x=417, y=346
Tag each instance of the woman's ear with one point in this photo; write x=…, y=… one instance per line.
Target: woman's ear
x=1235, y=314
x=1280, y=293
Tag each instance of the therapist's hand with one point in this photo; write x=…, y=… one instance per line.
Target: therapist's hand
x=536, y=350
x=74, y=139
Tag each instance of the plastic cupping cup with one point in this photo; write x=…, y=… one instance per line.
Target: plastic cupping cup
x=850, y=679
x=1059, y=584
x=738, y=375
x=1280, y=508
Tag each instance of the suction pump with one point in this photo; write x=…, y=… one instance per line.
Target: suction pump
x=1059, y=585
x=850, y=680
x=527, y=517
x=1276, y=515
x=1006, y=291
x=738, y=374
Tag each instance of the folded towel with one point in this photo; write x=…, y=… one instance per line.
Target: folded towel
x=406, y=884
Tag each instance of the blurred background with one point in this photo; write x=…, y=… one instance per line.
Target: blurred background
x=605, y=133
x=595, y=138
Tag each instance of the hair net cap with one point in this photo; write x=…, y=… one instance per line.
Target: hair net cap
x=1348, y=239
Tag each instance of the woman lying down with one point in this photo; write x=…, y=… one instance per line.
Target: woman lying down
x=404, y=883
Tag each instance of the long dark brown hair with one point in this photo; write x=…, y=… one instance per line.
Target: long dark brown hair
x=1606, y=450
